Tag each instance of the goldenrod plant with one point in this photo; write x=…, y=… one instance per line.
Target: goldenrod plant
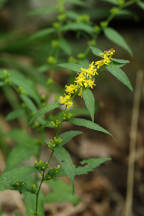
x=32, y=110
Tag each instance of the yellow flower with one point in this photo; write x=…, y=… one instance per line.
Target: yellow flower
x=85, y=79
x=71, y=89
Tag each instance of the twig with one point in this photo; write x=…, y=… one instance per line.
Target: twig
x=132, y=147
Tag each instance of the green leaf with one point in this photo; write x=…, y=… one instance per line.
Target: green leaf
x=72, y=66
x=77, y=2
x=20, y=137
x=89, y=101
x=90, y=164
x=42, y=11
x=141, y=5
x=78, y=27
x=41, y=34
x=97, y=51
x=115, y=37
x=7, y=179
x=26, y=148
x=14, y=114
x=76, y=111
x=61, y=192
x=120, y=61
x=43, y=111
x=19, y=154
x=68, y=135
x=115, y=2
x=88, y=124
x=120, y=75
x=23, y=82
x=72, y=14
x=29, y=103
x=65, y=160
x=30, y=200
x=65, y=46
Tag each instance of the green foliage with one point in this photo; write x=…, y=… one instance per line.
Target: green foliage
x=120, y=75
x=43, y=111
x=29, y=199
x=26, y=147
x=89, y=101
x=90, y=164
x=61, y=192
x=73, y=66
x=115, y=37
x=8, y=178
x=68, y=135
x=88, y=124
x=50, y=49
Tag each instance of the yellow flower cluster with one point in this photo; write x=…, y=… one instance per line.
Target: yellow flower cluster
x=85, y=79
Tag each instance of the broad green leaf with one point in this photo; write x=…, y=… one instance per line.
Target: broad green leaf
x=61, y=192
x=43, y=111
x=141, y=4
x=97, y=51
x=40, y=34
x=88, y=124
x=19, y=154
x=78, y=27
x=89, y=101
x=89, y=165
x=30, y=200
x=115, y=37
x=65, y=46
x=68, y=135
x=120, y=75
x=65, y=160
x=42, y=11
x=14, y=114
x=72, y=66
x=7, y=179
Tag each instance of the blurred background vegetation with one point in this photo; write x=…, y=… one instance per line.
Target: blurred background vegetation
x=27, y=45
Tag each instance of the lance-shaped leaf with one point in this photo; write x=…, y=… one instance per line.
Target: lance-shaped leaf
x=72, y=66
x=115, y=37
x=68, y=135
x=65, y=46
x=15, y=114
x=90, y=164
x=65, y=160
x=96, y=51
x=120, y=75
x=61, y=192
x=7, y=179
x=44, y=110
x=89, y=101
x=40, y=34
x=88, y=124
x=78, y=27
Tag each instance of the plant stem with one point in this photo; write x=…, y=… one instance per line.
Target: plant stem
x=37, y=194
x=50, y=157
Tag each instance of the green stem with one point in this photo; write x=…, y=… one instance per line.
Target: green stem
x=37, y=194
x=50, y=157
